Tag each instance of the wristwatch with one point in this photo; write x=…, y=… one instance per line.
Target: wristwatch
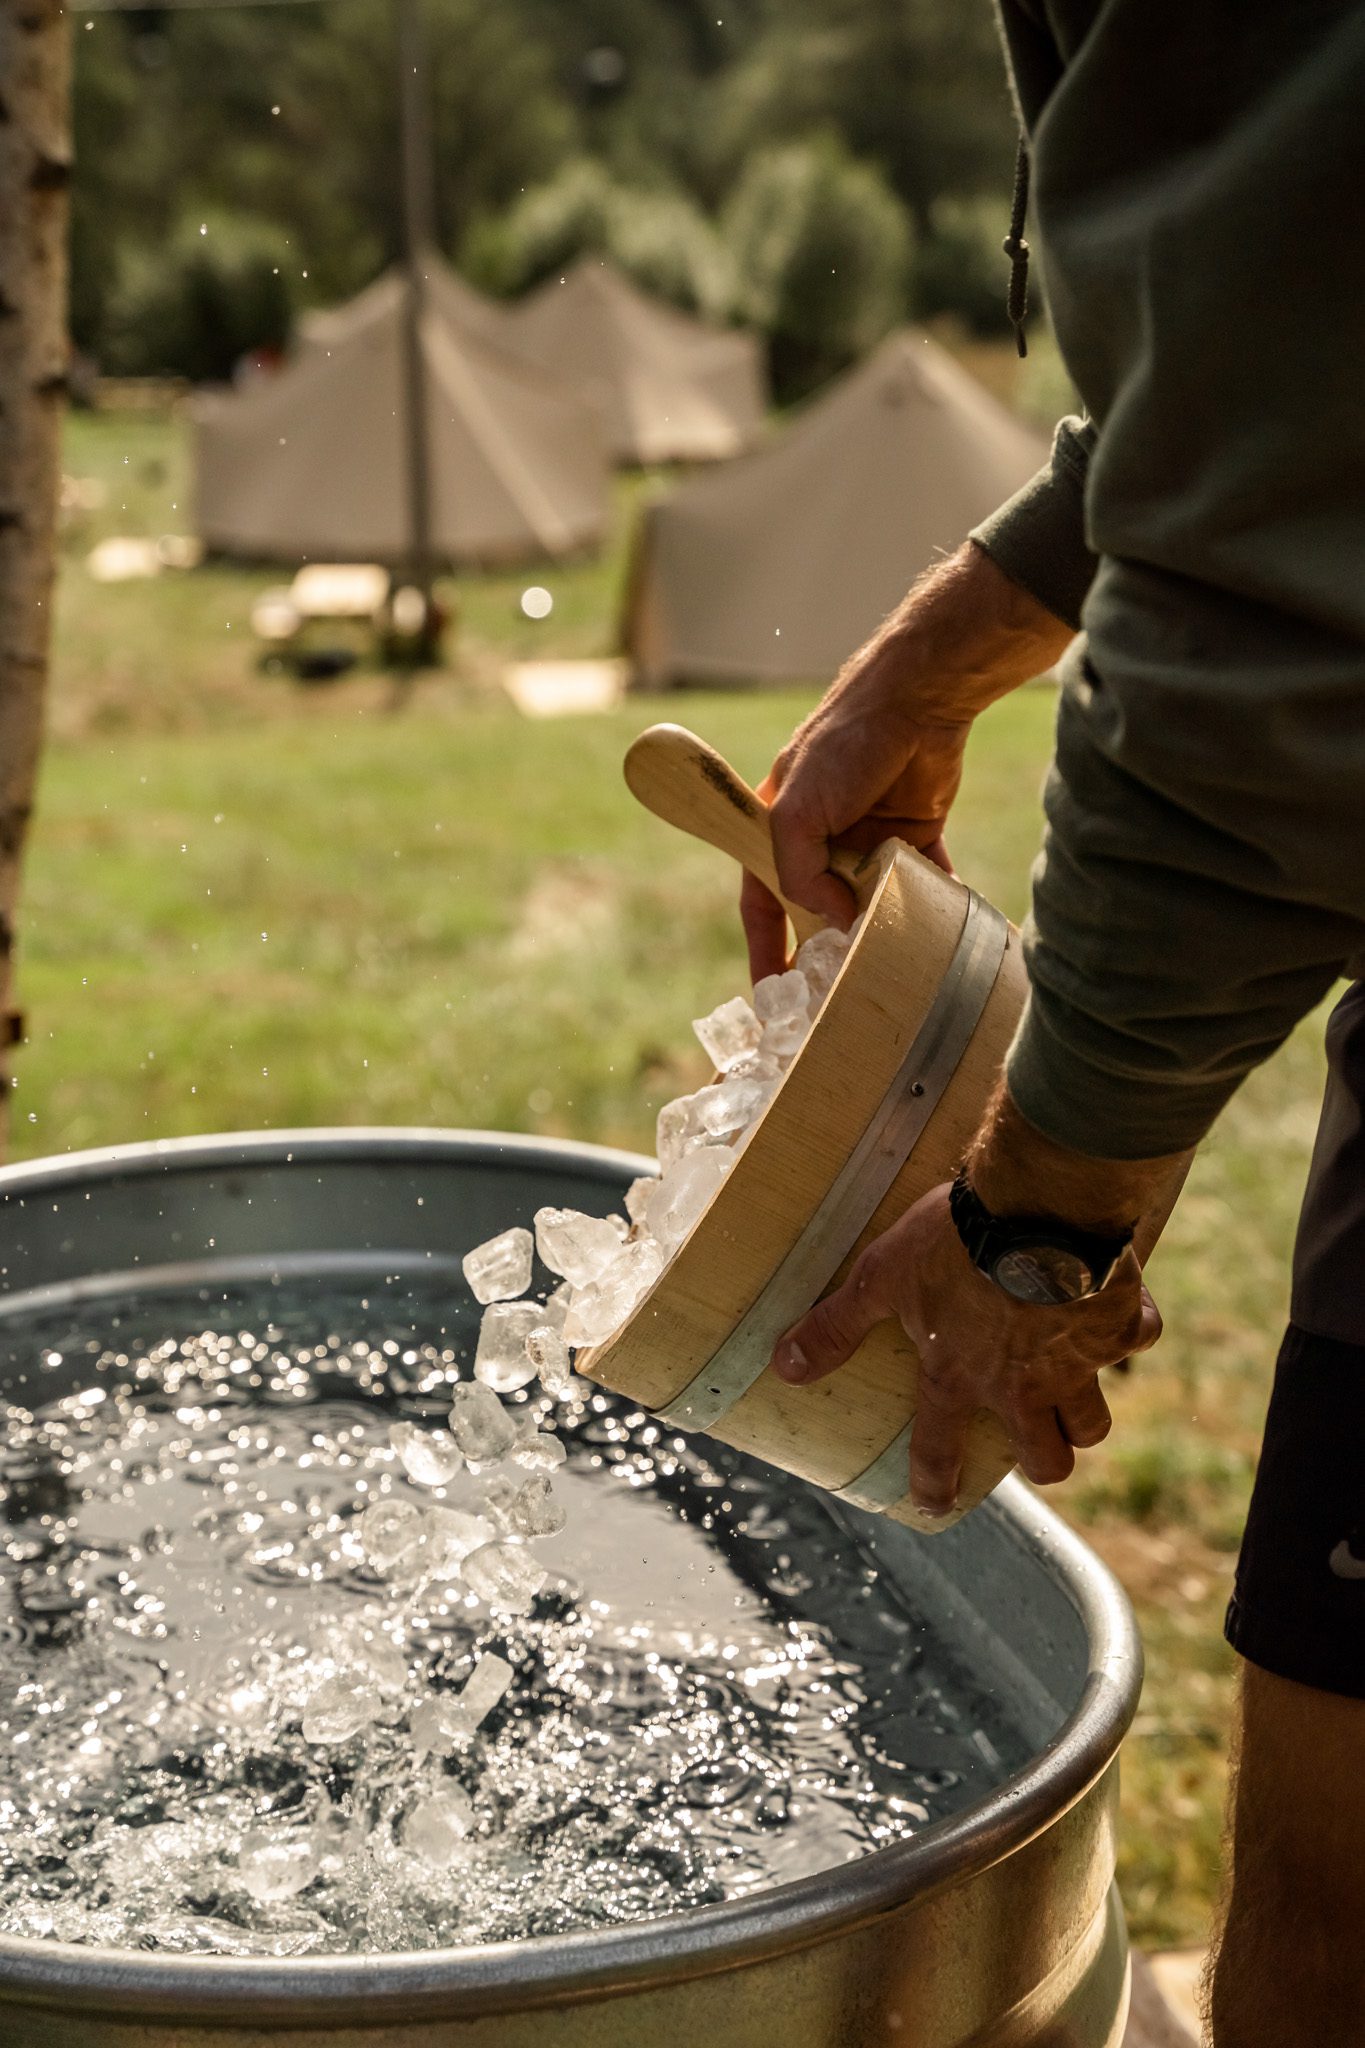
x=1033, y=1258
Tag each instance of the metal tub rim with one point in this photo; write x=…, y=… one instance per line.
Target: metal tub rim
x=503, y=1976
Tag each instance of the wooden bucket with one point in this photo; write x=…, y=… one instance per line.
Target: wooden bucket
x=877, y=1108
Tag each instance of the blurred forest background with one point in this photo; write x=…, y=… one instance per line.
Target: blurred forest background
x=819, y=169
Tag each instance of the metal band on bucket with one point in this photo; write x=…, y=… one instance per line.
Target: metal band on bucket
x=853, y=1196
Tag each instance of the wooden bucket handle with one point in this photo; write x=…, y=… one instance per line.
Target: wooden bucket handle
x=688, y=784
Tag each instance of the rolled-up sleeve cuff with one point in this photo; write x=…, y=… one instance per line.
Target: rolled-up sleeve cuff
x=1037, y=537
x=1082, y=1102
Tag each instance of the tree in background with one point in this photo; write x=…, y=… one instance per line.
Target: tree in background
x=822, y=248
x=35, y=171
x=282, y=122
x=658, y=235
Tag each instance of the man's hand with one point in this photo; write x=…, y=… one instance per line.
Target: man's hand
x=1035, y=1367
x=881, y=755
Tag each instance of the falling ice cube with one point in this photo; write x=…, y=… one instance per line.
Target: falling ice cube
x=277, y=1866
x=598, y=1311
x=728, y=1033
x=820, y=959
x=500, y=1269
x=501, y=1361
x=498, y=1497
x=549, y=1356
x=389, y=1530
x=340, y=1707
x=485, y=1686
x=557, y=1306
x=428, y=1456
x=505, y=1576
x=576, y=1245
x=637, y=1197
x=438, y=1827
x=450, y=1537
x=480, y=1424
x=538, y=1450
x=534, y=1511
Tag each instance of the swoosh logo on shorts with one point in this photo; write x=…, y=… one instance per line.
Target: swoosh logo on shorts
x=1345, y=1563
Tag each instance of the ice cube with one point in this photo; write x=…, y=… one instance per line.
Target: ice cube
x=728, y=1033
x=447, y=1720
x=501, y=1361
x=683, y=1193
x=783, y=1003
x=576, y=1245
x=499, y=1494
x=732, y=1105
x=637, y=1197
x=557, y=1306
x=820, y=959
x=535, y=1512
x=677, y=1130
x=340, y=1707
x=438, y=1827
x=599, y=1311
x=781, y=995
x=484, y=1687
x=549, y=1356
x=500, y=1269
x=539, y=1451
x=373, y=1654
x=451, y=1535
x=388, y=1531
x=481, y=1425
x=277, y=1865
x=505, y=1576
x=428, y=1456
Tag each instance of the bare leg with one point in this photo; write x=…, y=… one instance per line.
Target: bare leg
x=1290, y=1970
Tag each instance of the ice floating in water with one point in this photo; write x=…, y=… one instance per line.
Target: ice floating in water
x=275, y=1866
x=481, y=1425
x=575, y=1245
x=438, y=1827
x=428, y=1456
x=340, y=1707
x=505, y=1577
x=500, y=1269
x=728, y=1033
x=501, y=1361
x=449, y=1721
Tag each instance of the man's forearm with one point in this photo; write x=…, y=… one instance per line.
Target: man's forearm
x=967, y=635
x=1017, y=1171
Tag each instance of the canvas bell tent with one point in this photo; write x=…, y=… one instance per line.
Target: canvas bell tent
x=670, y=388
x=312, y=464
x=775, y=568
x=444, y=290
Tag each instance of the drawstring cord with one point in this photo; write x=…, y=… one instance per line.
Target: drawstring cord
x=1016, y=248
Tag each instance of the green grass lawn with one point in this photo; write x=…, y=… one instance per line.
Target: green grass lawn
x=251, y=906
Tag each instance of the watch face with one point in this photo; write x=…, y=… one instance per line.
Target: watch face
x=1043, y=1273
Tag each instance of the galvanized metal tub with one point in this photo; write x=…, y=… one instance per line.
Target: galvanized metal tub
x=1000, y=1925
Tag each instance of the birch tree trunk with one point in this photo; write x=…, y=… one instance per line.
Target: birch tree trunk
x=35, y=173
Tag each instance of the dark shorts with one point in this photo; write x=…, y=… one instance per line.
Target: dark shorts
x=1299, y=1604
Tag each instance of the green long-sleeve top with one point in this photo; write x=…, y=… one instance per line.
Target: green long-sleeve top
x=1199, y=177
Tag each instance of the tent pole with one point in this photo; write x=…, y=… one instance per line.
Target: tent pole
x=414, y=126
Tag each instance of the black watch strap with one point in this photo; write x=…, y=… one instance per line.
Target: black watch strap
x=989, y=1239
